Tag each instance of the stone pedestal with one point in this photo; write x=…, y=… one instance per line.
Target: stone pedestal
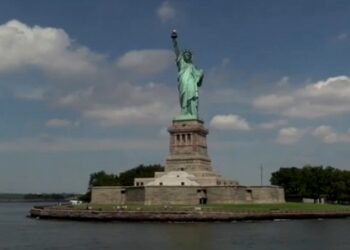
x=188, y=163
x=188, y=147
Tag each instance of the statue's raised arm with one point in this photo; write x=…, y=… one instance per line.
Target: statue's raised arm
x=189, y=78
x=176, y=47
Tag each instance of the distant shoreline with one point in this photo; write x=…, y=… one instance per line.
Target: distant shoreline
x=33, y=197
x=45, y=212
x=30, y=201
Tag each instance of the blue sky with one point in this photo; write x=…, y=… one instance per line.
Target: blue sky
x=91, y=85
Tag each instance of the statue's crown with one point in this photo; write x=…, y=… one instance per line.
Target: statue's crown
x=187, y=51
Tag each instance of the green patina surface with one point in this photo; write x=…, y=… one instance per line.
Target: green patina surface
x=189, y=79
x=249, y=208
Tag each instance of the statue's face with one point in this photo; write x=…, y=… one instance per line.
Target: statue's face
x=187, y=57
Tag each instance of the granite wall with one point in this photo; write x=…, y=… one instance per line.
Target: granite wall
x=267, y=194
x=108, y=195
x=190, y=195
x=171, y=195
x=135, y=195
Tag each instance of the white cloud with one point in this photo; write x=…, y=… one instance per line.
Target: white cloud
x=273, y=102
x=146, y=62
x=151, y=113
x=289, y=135
x=75, y=78
x=222, y=73
x=342, y=36
x=283, y=82
x=328, y=135
x=123, y=104
x=164, y=132
x=61, y=123
x=320, y=99
x=75, y=98
x=309, y=110
x=229, y=122
x=273, y=124
x=166, y=12
x=34, y=94
x=49, y=49
x=47, y=143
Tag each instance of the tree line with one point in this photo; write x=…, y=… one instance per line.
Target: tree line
x=49, y=197
x=38, y=197
x=314, y=182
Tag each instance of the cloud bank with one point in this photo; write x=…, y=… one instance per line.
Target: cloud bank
x=108, y=92
x=166, y=12
x=289, y=135
x=317, y=100
x=229, y=122
x=48, y=49
x=329, y=136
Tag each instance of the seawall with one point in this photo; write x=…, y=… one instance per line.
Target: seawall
x=174, y=216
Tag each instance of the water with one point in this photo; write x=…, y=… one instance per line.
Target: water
x=19, y=232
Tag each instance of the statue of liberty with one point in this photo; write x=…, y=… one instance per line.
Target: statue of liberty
x=189, y=79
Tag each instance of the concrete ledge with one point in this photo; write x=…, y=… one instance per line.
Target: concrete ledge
x=178, y=216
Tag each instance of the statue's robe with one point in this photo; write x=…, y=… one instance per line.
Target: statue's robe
x=189, y=79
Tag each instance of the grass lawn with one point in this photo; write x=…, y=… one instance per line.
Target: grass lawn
x=253, y=208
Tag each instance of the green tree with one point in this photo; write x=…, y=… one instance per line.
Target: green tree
x=127, y=178
x=314, y=179
x=345, y=196
x=290, y=179
x=101, y=178
x=314, y=182
x=335, y=184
